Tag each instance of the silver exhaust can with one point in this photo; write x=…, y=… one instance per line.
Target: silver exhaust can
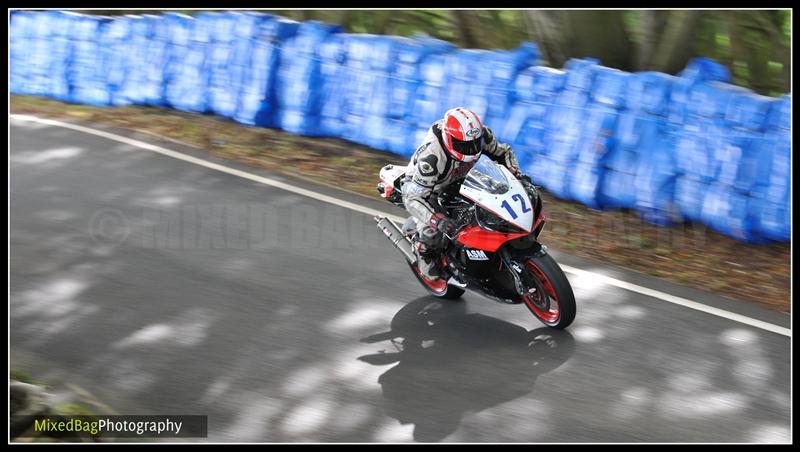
x=398, y=239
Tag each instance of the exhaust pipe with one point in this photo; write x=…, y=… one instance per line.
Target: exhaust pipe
x=398, y=239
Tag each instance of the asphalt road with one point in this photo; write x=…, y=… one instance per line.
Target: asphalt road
x=162, y=287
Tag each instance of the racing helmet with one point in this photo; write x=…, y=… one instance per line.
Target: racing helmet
x=462, y=133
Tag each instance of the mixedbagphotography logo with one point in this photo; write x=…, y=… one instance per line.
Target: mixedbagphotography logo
x=119, y=426
x=234, y=226
x=109, y=226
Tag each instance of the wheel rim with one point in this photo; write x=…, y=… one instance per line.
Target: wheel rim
x=438, y=286
x=543, y=303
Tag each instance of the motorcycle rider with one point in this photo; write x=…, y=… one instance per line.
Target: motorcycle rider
x=449, y=150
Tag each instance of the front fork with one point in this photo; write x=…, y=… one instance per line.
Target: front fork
x=522, y=279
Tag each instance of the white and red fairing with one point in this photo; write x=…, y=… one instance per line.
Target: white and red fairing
x=493, y=187
x=482, y=177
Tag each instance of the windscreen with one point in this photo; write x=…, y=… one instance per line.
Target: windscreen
x=486, y=176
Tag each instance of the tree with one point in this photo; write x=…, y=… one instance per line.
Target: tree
x=674, y=48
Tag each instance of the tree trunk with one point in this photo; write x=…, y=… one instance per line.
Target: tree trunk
x=464, y=31
x=602, y=35
x=675, y=47
x=775, y=48
x=651, y=28
x=548, y=30
x=299, y=15
x=752, y=47
x=502, y=37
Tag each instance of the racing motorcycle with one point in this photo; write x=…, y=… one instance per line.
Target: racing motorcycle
x=494, y=249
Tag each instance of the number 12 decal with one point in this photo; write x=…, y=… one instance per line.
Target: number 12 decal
x=510, y=210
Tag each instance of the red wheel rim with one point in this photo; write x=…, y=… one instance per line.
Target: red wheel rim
x=438, y=286
x=551, y=315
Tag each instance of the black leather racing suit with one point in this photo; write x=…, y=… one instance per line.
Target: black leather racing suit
x=432, y=170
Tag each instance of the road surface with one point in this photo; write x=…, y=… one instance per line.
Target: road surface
x=163, y=287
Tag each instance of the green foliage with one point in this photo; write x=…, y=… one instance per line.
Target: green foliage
x=632, y=19
x=16, y=374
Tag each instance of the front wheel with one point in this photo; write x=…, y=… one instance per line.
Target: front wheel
x=551, y=299
x=438, y=288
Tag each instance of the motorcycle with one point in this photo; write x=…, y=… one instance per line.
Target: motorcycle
x=494, y=249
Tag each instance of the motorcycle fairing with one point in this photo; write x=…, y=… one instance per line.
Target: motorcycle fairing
x=493, y=187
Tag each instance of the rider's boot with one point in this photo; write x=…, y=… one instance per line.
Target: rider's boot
x=429, y=263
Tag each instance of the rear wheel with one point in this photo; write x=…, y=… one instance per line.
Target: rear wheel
x=438, y=288
x=551, y=299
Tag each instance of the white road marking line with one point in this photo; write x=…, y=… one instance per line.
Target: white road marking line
x=680, y=301
x=211, y=165
x=372, y=212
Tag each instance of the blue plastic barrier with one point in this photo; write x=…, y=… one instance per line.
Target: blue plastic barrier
x=369, y=61
x=598, y=134
x=188, y=73
x=689, y=194
x=333, y=71
x=524, y=129
x=649, y=93
x=705, y=69
x=227, y=58
x=404, y=84
x=728, y=211
x=693, y=154
x=298, y=80
x=770, y=197
x=539, y=83
x=699, y=70
x=780, y=115
x=129, y=67
x=554, y=174
x=158, y=62
x=606, y=89
x=711, y=100
x=399, y=135
x=587, y=180
x=505, y=67
x=639, y=162
x=610, y=86
x=118, y=47
x=654, y=185
x=53, y=53
x=87, y=70
x=749, y=111
x=430, y=92
x=406, y=75
x=635, y=130
x=738, y=157
x=688, y=147
x=468, y=81
x=772, y=221
x=258, y=98
x=773, y=168
x=581, y=73
x=536, y=90
x=616, y=189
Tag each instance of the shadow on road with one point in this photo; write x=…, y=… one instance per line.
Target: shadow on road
x=451, y=362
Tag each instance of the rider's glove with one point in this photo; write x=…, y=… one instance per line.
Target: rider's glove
x=442, y=224
x=526, y=182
